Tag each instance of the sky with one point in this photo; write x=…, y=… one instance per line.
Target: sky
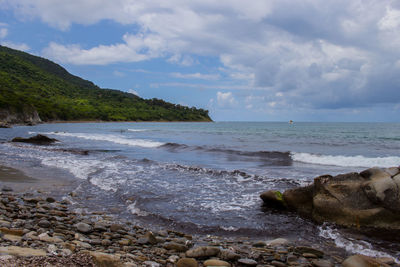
x=259, y=60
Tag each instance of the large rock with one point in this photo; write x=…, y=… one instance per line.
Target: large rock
x=370, y=198
x=37, y=139
x=273, y=198
x=362, y=261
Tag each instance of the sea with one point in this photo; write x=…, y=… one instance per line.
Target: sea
x=206, y=178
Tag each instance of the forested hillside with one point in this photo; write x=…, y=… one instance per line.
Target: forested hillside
x=29, y=82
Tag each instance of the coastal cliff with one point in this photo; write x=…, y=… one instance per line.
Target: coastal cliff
x=28, y=116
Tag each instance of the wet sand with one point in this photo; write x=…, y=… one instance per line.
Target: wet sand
x=20, y=181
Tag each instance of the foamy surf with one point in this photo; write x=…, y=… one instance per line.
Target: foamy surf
x=112, y=138
x=351, y=245
x=345, y=161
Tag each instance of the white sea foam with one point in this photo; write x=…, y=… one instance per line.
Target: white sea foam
x=229, y=228
x=135, y=210
x=346, y=161
x=112, y=138
x=137, y=130
x=78, y=167
x=351, y=245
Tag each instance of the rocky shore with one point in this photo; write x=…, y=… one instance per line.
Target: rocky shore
x=37, y=230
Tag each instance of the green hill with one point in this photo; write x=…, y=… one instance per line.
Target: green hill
x=29, y=83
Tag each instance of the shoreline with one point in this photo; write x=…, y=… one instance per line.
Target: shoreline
x=9, y=125
x=121, y=242
x=52, y=232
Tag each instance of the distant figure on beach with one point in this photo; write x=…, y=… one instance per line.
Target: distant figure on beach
x=290, y=122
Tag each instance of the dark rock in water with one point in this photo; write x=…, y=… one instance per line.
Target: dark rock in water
x=38, y=139
x=273, y=198
x=4, y=125
x=368, y=199
x=6, y=189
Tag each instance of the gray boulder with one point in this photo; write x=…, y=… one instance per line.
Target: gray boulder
x=370, y=198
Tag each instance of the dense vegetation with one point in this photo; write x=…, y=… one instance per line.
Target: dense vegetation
x=30, y=82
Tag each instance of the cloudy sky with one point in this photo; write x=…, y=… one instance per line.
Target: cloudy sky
x=259, y=60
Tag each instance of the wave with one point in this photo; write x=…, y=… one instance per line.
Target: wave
x=351, y=245
x=111, y=138
x=277, y=158
x=345, y=161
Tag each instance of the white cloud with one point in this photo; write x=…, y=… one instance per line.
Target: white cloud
x=118, y=73
x=3, y=33
x=17, y=46
x=132, y=91
x=195, y=76
x=333, y=53
x=226, y=100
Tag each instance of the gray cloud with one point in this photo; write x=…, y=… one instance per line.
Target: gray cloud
x=312, y=54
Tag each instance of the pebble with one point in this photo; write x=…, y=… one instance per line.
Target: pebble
x=216, y=263
x=201, y=252
x=187, y=262
x=247, y=262
x=44, y=223
x=83, y=227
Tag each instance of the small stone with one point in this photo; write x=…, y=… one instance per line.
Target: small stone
x=151, y=264
x=200, y=252
x=322, y=263
x=52, y=249
x=116, y=227
x=124, y=242
x=216, y=263
x=228, y=255
x=259, y=244
x=247, y=262
x=83, y=227
x=277, y=242
x=173, y=259
x=46, y=238
x=65, y=252
x=187, y=262
x=175, y=246
x=106, y=242
x=50, y=200
x=82, y=244
x=278, y=264
x=44, y=224
x=314, y=251
x=309, y=255
x=103, y=259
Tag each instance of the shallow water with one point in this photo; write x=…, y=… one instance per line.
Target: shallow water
x=207, y=177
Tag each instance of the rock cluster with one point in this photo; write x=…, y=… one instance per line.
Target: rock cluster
x=40, y=231
x=367, y=199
